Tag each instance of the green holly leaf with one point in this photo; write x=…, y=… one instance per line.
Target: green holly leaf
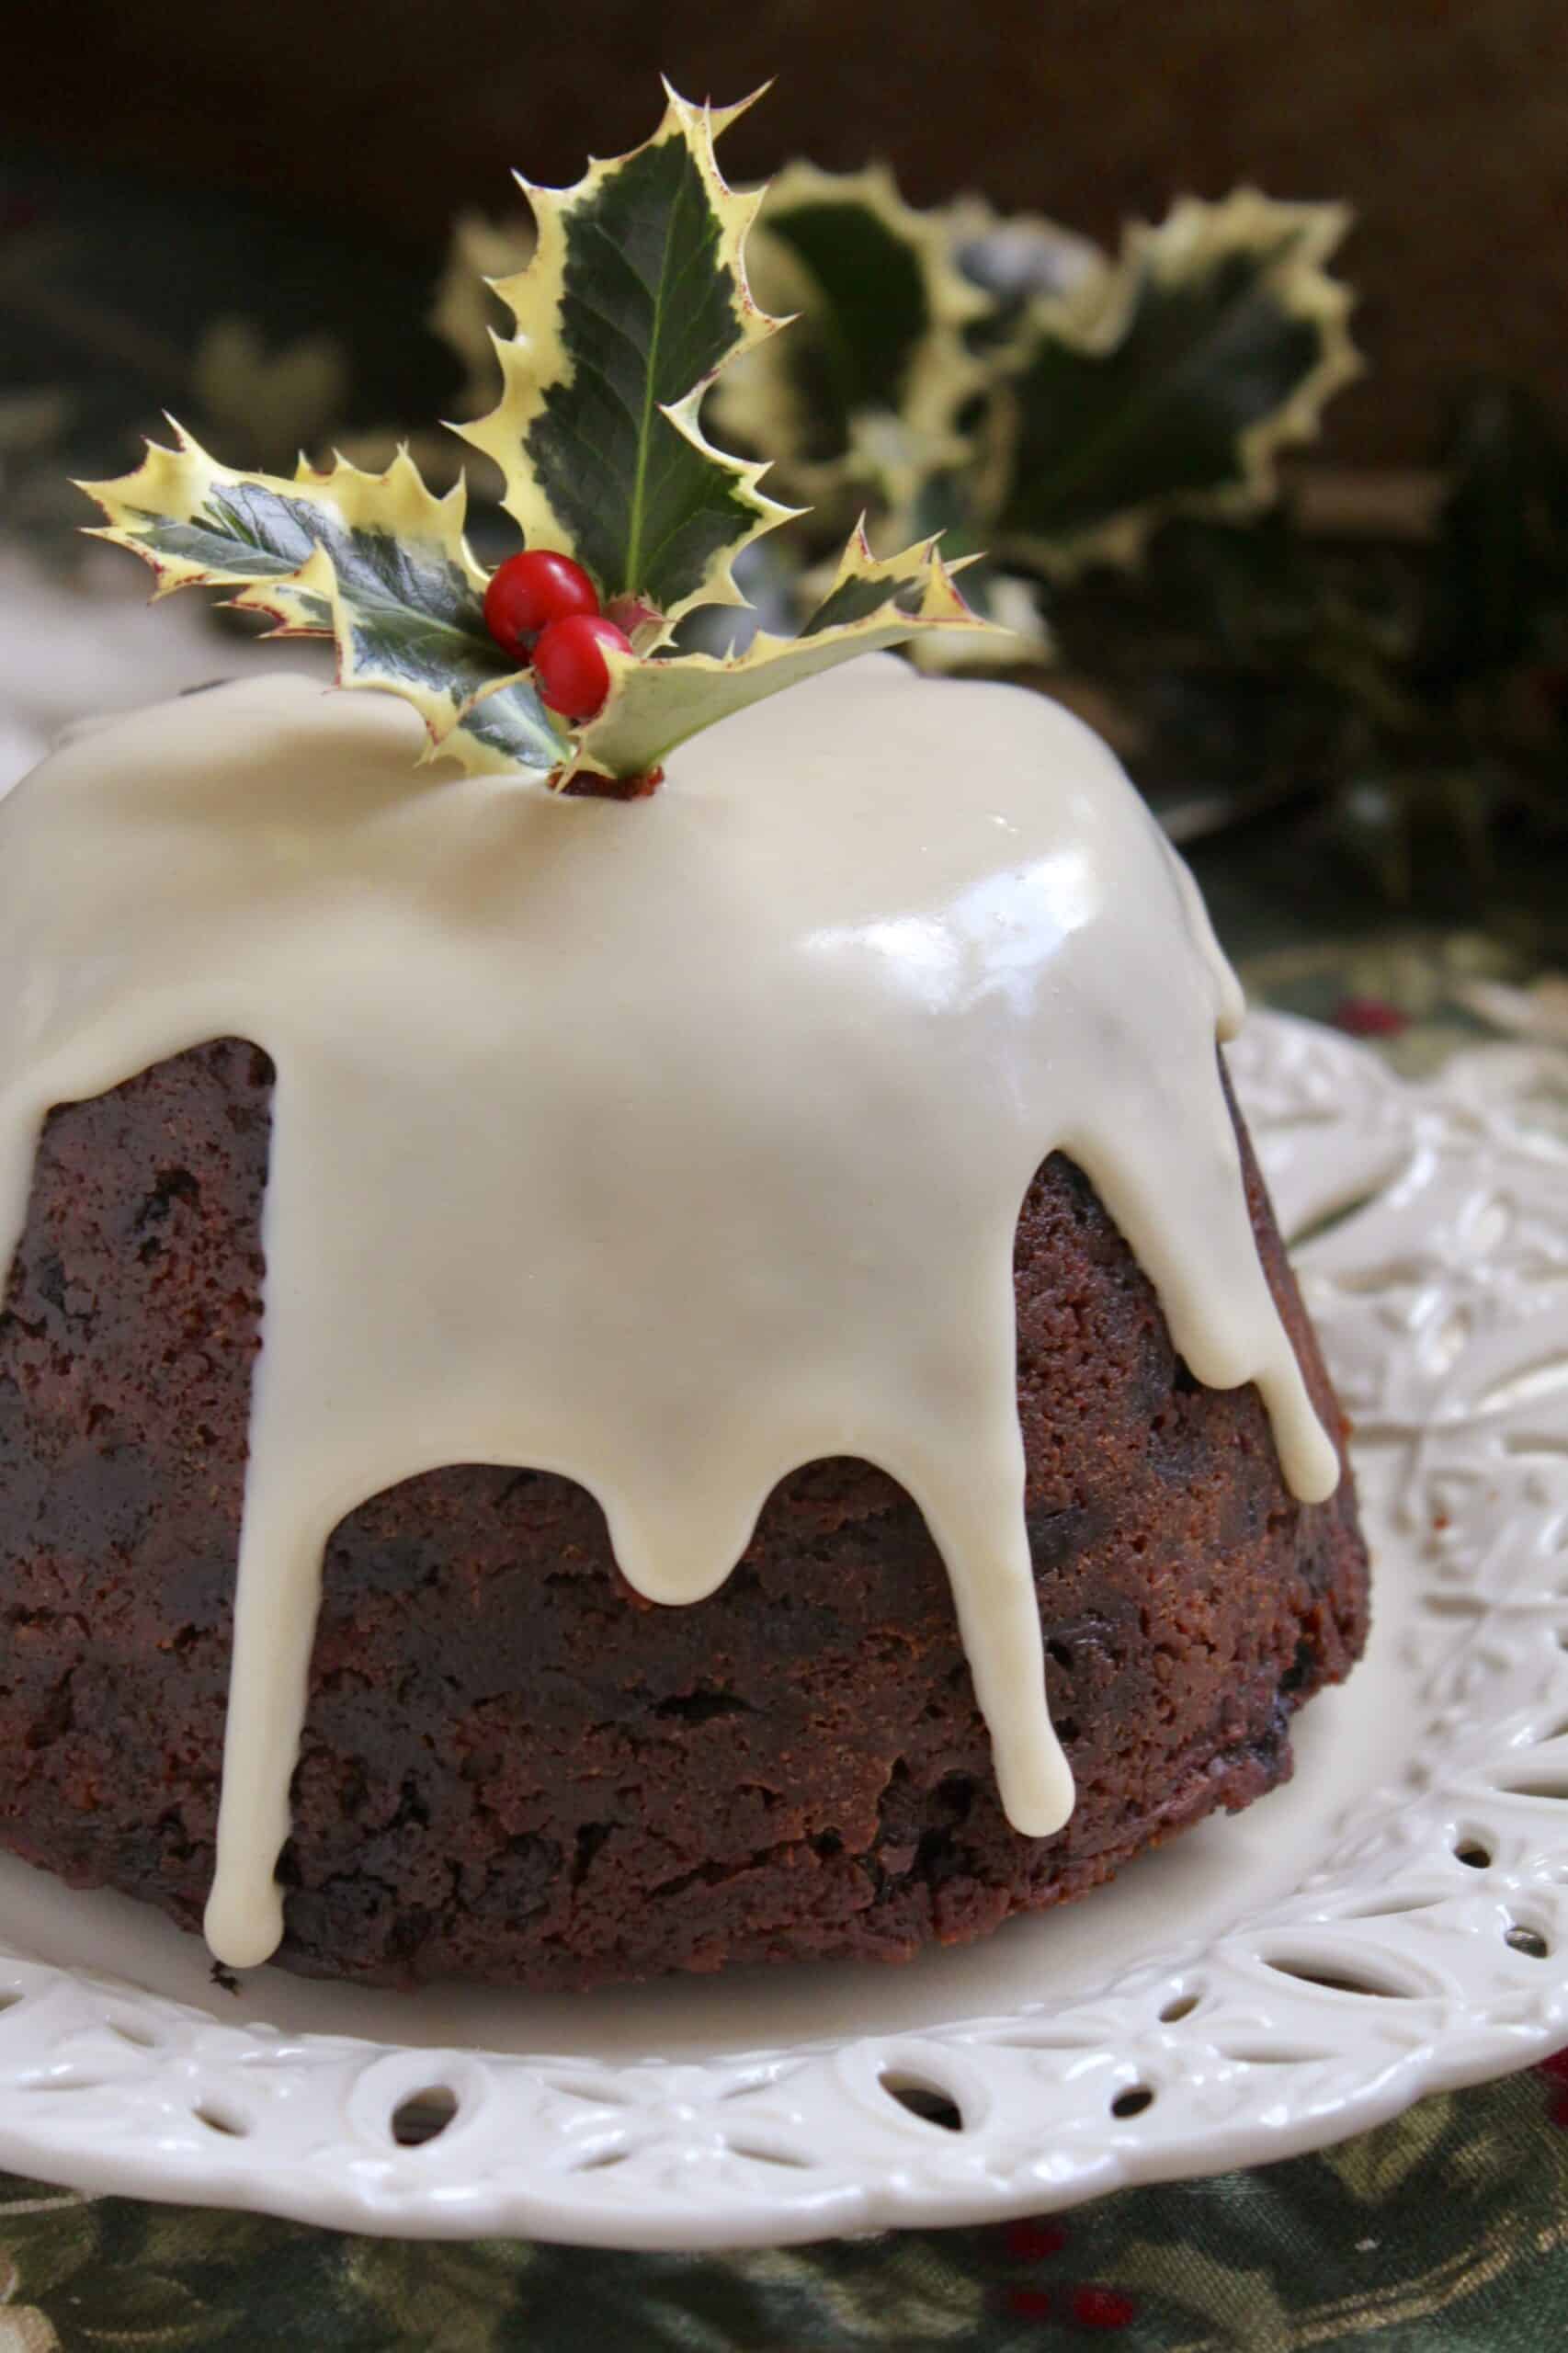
x=635, y=298
x=373, y=559
x=654, y=706
x=864, y=396
x=1173, y=381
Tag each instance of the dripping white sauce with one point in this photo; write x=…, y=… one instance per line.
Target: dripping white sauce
x=664, y=1145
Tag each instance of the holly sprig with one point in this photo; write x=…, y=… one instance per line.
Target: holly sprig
x=635, y=299
x=1023, y=390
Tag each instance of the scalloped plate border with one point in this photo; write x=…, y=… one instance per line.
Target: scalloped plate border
x=1427, y=1947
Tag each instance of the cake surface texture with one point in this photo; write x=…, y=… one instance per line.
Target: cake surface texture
x=591, y=1234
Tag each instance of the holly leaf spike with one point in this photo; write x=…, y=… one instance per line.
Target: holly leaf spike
x=873, y=603
x=634, y=299
x=375, y=561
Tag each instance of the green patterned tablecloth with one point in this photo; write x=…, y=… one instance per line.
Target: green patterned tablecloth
x=1445, y=2229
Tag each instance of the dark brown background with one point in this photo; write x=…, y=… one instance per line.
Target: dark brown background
x=1444, y=121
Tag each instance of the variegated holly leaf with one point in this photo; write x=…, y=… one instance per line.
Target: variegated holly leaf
x=1172, y=379
x=373, y=559
x=865, y=394
x=635, y=298
x=654, y=706
x=950, y=506
x=1020, y=260
x=1018, y=635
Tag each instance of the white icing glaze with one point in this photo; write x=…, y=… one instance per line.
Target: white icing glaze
x=667, y=1145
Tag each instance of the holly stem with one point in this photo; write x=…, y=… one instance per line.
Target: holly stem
x=586, y=786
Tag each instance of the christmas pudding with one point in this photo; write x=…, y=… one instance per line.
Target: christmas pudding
x=652, y=1341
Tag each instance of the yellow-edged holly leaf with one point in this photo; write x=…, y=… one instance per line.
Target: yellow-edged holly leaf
x=950, y=506
x=373, y=559
x=1017, y=634
x=1018, y=260
x=635, y=297
x=1170, y=381
x=654, y=706
x=865, y=394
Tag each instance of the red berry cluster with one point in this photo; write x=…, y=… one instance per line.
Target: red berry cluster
x=543, y=608
x=1087, y=2305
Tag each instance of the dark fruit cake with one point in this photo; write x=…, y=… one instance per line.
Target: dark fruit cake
x=641, y=1330
x=513, y=1768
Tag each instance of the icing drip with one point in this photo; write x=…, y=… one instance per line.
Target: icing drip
x=665, y=1145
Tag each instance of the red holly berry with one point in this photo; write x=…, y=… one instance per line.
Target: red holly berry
x=1369, y=1017
x=1102, y=2308
x=530, y=591
x=1032, y=2241
x=569, y=662
x=1030, y=2303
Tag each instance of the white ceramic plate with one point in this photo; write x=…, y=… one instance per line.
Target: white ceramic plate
x=1393, y=1922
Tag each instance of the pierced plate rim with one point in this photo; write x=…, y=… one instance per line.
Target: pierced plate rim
x=1429, y=1949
